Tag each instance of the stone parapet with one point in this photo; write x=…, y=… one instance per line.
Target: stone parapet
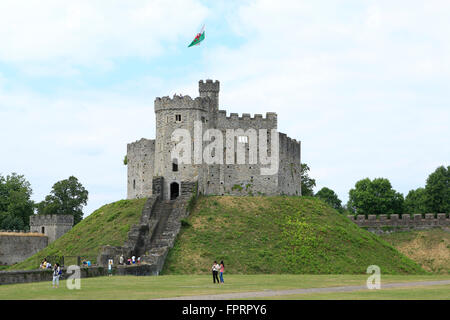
x=415, y=221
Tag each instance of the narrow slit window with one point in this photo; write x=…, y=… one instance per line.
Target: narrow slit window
x=178, y=117
x=174, y=165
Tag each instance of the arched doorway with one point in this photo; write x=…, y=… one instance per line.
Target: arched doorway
x=174, y=190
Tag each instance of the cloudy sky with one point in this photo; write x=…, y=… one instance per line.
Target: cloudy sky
x=365, y=85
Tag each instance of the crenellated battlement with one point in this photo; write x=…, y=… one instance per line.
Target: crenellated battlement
x=51, y=219
x=208, y=86
x=416, y=221
x=270, y=116
x=182, y=102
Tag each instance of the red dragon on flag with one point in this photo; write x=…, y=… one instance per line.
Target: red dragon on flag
x=198, y=38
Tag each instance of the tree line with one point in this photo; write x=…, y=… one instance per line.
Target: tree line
x=66, y=197
x=378, y=197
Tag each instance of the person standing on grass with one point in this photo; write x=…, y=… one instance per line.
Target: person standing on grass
x=56, y=274
x=222, y=269
x=215, y=270
x=110, y=264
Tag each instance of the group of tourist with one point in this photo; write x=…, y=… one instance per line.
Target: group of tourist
x=57, y=271
x=218, y=269
x=129, y=261
x=45, y=264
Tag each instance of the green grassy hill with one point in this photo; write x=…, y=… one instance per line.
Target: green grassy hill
x=108, y=225
x=278, y=235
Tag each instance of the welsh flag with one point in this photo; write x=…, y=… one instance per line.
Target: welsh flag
x=198, y=38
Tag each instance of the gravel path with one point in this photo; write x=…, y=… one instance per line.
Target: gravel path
x=272, y=293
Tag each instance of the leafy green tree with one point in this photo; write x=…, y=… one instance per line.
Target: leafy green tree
x=437, y=190
x=67, y=197
x=330, y=197
x=375, y=197
x=16, y=205
x=307, y=183
x=416, y=201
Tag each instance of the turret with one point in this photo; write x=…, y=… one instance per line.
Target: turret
x=211, y=89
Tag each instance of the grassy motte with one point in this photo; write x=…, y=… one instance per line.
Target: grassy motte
x=281, y=234
x=430, y=248
x=108, y=225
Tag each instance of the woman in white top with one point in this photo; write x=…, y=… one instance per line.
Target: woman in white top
x=56, y=274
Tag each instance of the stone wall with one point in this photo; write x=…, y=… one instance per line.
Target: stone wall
x=140, y=166
x=403, y=222
x=13, y=277
x=289, y=171
x=241, y=176
x=16, y=247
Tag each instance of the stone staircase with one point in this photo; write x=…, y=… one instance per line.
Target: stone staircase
x=154, y=235
x=169, y=214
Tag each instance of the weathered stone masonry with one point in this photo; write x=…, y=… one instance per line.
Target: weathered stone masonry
x=52, y=225
x=148, y=159
x=16, y=247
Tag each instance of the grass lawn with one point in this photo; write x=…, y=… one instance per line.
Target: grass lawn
x=439, y=292
x=131, y=287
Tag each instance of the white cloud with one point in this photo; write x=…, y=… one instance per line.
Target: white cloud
x=84, y=134
x=362, y=85
x=43, y=34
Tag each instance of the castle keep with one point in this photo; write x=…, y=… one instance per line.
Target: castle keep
x=235, y=164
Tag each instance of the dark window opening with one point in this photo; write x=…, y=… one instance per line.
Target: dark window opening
x=178, y=117
x=43, y=230
x=174, y=190
x=174, y=165
x=134, y=184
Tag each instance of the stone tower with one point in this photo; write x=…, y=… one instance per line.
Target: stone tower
x=229, y=169
x=172, y=114
x=52, y=225
x=211, y=89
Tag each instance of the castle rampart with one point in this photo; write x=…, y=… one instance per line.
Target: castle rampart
x=182, y=102
x=234, y=121
x=401, y=222
x=17, y=246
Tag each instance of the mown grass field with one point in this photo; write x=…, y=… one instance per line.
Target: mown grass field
x=277, y=235
x=108, y=225
x=429, y=248
x=137, y=288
